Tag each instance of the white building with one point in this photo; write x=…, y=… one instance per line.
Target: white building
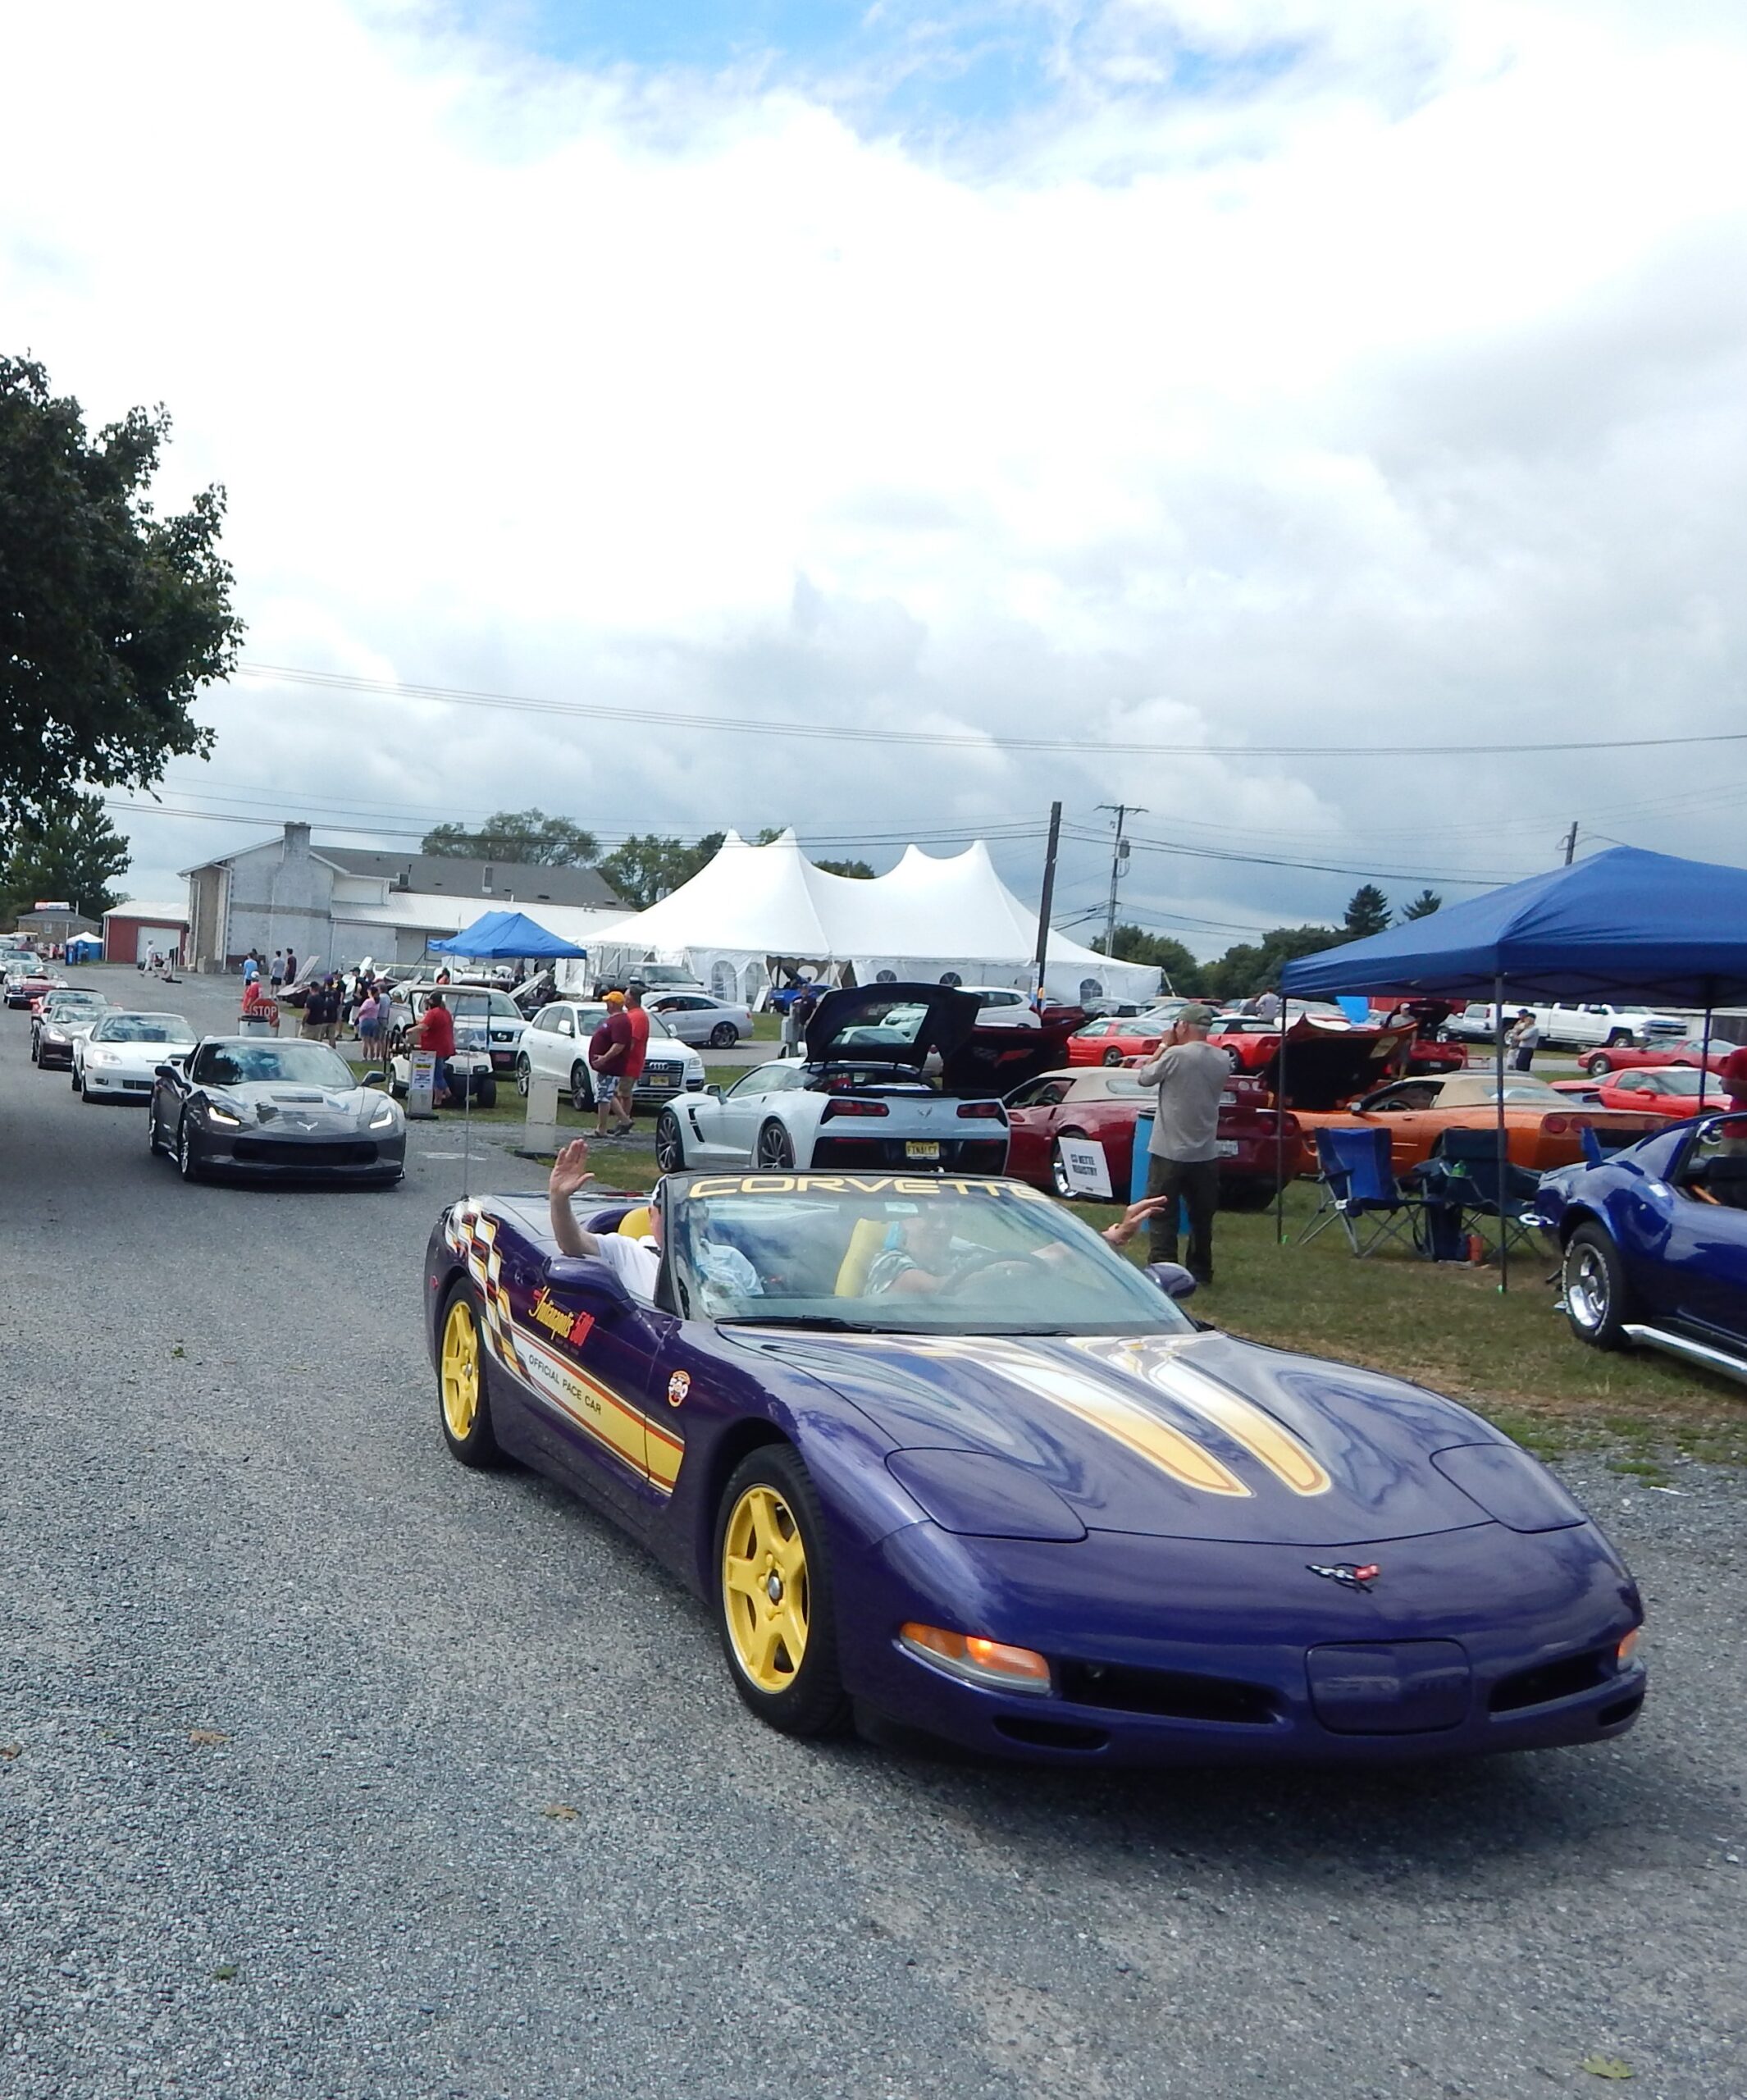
x=339, y=904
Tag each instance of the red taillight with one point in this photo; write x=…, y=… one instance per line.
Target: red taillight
x=989, y=1111
x=833, y=1108
x=1561, y=1126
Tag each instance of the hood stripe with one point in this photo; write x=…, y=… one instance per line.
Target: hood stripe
x=1265, y=1439
x=1128, y=1422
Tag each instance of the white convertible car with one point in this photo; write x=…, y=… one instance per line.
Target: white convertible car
x=879, y=1086
x=116, y=1061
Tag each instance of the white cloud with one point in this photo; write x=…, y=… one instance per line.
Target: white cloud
x=1391, y=390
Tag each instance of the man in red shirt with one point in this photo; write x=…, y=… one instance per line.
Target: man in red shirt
x=1733, y=1077
x=607, y=1049
x=636, y=1020
x=437, y=1034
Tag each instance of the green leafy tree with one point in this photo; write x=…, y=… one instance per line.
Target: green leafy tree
x=857, y=870
x=1252, y=967
x=647, y=866
x=528, y=837
x=71, y=854
x=112, y=619
x=1367, y=912
x=1183, y=974
x=1423, y=906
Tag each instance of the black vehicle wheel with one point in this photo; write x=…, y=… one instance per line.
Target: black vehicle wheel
x=670, y=1143
x=485, y=1091
x=1618, y=1037
x=463, y=1389
x=72, y=1080
x=776, y=1148
x=85, y=1094
x=187, y=1153
x=1598, y=1301
x=1058, y=1170
x=524, y=1076
x=724, y=1035
x=1598, y=1062
x=774, y=1603
x=581, y=1090
x=34, y=1049
x=154, y=1140
x=1113, y=1056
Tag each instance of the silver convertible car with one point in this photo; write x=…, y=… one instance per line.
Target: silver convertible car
x=880, y=1086
x=279, y=1111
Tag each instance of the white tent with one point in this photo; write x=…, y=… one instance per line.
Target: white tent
x=951, y=918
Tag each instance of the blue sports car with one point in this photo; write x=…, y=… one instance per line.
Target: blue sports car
x=932, y=1453
x=1654, y=1243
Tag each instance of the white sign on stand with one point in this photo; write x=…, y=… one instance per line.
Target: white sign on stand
x=1086, y=1169
x=421, y=1082
x=542, y=1133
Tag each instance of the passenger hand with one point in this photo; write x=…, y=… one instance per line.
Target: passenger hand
x=1134, y=1217
x=570, y=1169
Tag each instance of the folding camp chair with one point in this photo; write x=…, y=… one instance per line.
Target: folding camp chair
x=1472, y=1157
x=1357, y=1185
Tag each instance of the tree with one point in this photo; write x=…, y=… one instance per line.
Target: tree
x=528, y=838
x=647, y=866
x=1423, y=906
x=1255, y=967
x=1184, y=974
x=111, y=618
x=1367, y=912
x=857, y=870
x=69, y=856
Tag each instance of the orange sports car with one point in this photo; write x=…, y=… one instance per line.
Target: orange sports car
x=1542, y=1126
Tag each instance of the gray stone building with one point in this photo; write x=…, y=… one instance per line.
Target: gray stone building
x=341, y=903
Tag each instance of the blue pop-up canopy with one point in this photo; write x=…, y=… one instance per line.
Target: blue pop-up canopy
x=1622, y=923
x=507, y=937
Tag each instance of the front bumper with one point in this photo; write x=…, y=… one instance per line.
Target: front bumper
x=332, y=1156
x=117, y=1085
x=1179, y=1651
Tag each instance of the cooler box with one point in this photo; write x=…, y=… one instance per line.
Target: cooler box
x=1137, y=1171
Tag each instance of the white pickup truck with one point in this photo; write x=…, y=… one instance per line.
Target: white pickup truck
x=1592, y=1025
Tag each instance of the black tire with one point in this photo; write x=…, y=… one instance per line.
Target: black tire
x=1597, y=1062
x=1058, y=1172
x=670, y=1143
x=153, y=1147
x=34, y=1054
x=1617, y=1039
x=72, y=1079
x=1598, y=1299
x=524, y=1076
x=85, y=1094
x=724, y=1035
x=1113, y=1056
x=485, y=1091
x=774, y=1153
x=812, y=1701
x=582, y=1089
x=477, y=1446
x=187, y=1153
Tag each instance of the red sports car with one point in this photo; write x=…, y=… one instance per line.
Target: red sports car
x=1328, y=1059
x=1104, y=1106
x=1670, y=1090
x=1112, y=1041
x=1627, y=1057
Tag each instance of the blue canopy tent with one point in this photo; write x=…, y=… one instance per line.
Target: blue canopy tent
x=506, y=937
x=1643, y=925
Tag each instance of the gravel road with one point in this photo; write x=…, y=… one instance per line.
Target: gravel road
x=327, y=1768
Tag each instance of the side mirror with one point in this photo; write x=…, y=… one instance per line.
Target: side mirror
x=714, y=1092
x=374, y=1079
x=581, y=1277
x=1172, y=1278
x=168, y=1069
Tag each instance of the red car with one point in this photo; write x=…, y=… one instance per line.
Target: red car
x=1328, y=1059
x=1429, y=1053
x=1104, y=1106
x=1115, y=1040
x=1670, y=1090
x=1627, y=1057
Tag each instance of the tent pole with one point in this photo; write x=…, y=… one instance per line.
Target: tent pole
x=1504, y=1236
x=1279, y=1127
x=1704, y=1043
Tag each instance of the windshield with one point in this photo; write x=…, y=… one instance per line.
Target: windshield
x=143, y=1028
x=895, y=1254
x=1678, y=1080
x=255, y=1064
x=70, y=1002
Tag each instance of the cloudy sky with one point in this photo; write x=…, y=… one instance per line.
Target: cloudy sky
x=1222, y=379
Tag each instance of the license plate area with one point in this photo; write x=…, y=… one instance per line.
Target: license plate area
x=1228, y=1148
x=921, y=1148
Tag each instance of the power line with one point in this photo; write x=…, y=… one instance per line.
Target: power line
x=1314, y=867
x=846, y=733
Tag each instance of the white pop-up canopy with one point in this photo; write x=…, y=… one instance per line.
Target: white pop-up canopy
x=755, y=908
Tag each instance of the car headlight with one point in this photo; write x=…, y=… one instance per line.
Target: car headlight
x=55, y=1035
x=982, y=1496
x=386, y=1113
x=100, y=1056
x=214, y=1114
x=1509, y=1485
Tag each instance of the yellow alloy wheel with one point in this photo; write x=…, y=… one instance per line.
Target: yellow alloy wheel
x=460, y=1371
x=764, y=1589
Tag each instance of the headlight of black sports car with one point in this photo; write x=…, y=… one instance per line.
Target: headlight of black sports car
x=223, y=1118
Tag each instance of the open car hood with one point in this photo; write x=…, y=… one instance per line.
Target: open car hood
x=848, y=1024
x=993, y=1061
x=1325, y=1066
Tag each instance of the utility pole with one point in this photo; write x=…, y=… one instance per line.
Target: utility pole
x=1048, y=901
x=1118, y=861
x=1571, y=843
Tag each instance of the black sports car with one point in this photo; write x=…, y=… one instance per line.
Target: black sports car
x=66, y=1016
x=283, y=1110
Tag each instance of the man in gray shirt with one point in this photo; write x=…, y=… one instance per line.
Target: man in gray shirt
x=1183, y=1157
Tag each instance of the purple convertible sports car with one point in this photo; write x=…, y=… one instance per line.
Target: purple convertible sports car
x=932, y=1452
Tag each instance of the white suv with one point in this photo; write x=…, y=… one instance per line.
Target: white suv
x=555, y=1045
